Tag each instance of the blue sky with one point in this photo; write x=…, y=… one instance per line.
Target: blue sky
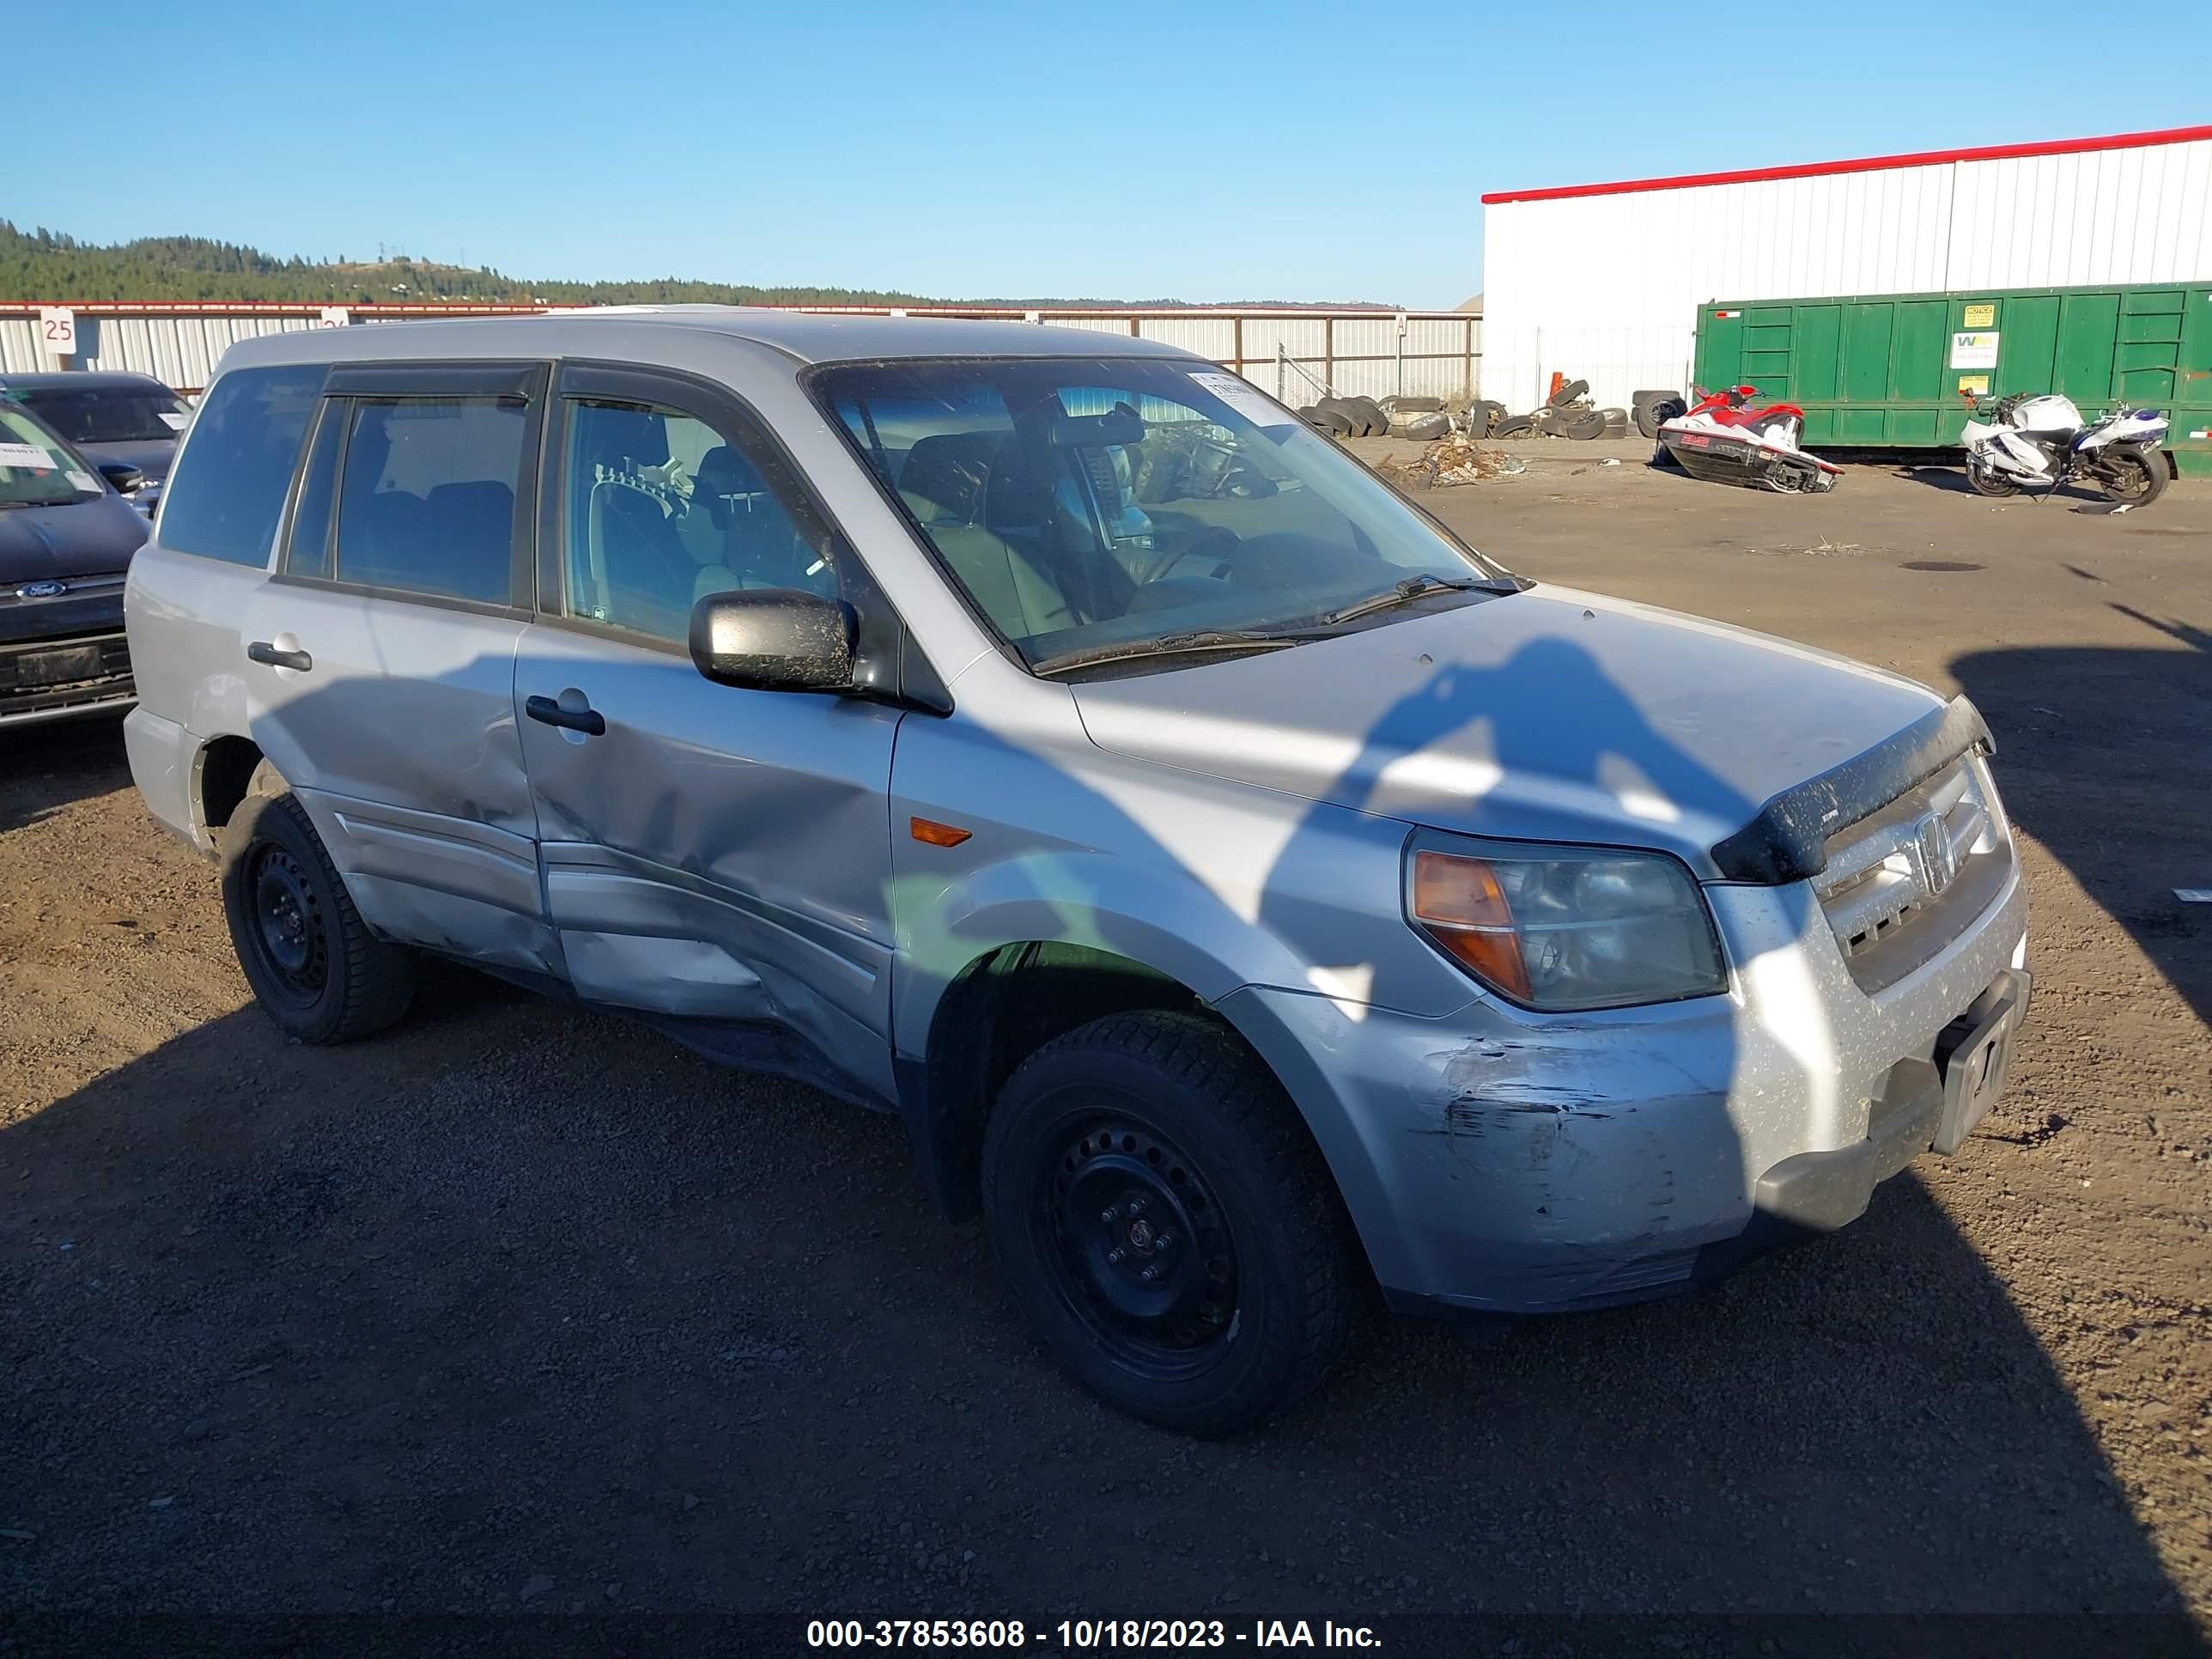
x=1130, y=150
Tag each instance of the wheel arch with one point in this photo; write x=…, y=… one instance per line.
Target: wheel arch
x=223, y=775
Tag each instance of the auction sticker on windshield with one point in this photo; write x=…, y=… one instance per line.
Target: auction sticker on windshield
x=1242, y=398
x=28, y=455
x=174, y=421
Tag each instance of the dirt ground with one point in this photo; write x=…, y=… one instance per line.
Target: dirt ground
x=523, y=1309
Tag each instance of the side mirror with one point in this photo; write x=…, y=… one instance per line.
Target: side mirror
x=124, y=477
x=774, y=639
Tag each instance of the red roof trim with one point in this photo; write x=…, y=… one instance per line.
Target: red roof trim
x=1863, y=164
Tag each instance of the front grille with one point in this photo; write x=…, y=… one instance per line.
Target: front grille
x=54, y=675
x=1900, y=886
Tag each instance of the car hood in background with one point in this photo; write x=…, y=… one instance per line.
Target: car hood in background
x=151, y=456
x=1550, y=714
x=80, y=538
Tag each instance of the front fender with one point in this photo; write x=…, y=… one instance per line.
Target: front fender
x=1162, y=919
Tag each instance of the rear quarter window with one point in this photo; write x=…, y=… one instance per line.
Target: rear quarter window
x=228, y=488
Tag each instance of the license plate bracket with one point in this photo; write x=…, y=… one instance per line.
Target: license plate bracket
x=1973, y=1055
x=57, y=665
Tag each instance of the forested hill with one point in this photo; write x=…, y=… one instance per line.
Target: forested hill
x=44, y=264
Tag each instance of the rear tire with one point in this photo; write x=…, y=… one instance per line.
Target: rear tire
x=1156, y=1143
x=314, y=966
x=2135, y=477
x=1987, y=481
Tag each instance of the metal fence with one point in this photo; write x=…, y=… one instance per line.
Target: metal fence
x=1371, y=353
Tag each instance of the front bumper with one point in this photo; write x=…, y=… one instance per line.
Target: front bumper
x=1499, y=1161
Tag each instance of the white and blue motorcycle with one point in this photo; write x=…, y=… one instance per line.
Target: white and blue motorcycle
x=2039, y=441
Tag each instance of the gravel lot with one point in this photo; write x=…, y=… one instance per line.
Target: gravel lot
x=518, y=1309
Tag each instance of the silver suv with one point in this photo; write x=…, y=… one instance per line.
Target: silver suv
x=1247, y=895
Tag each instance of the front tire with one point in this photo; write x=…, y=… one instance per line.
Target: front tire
x=1987, y=481
x=2134, y=477
x=313, y=965
x=1166, y=1224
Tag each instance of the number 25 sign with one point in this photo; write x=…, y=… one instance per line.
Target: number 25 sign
x=57, y=331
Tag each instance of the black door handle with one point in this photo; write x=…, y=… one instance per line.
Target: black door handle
x=262, y=651
x=589, y=721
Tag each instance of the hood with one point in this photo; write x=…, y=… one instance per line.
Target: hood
x=1550, y=714
x=151, y=456
x=80, y=538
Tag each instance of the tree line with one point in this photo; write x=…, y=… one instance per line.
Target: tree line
x=46, y=265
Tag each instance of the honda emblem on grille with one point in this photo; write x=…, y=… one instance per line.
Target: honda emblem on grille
x=1937, y=867
x=41, y=590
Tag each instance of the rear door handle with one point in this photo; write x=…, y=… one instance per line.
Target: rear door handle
x=589, y=721
x=262, y=651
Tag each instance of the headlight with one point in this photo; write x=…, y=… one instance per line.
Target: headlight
x=1566, y=927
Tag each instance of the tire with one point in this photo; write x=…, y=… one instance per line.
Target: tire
x=1583, y=424
x=1483, y=416
x=1647, y=422
x=1651, y=396
x=1670, y=408
x=1987, y=481
x=1567, y=393
x=1377, y=422
x=1088, y=1140
x=1408, y=405
x=1547, y=419
x=1616, y=422
x=1514, y=426
x=314, y=966
x=1424, y=428
x=1333, y=422
x=2135, y=477
x=1354, y=419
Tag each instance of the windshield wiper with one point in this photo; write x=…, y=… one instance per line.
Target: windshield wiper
x=1170, y=645
x=1413, y=587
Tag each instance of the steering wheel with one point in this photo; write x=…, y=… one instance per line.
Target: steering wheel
x=1219, y=533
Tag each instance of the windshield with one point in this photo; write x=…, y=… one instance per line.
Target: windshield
x=107, y=414
x=1126, y=507
x=36, y=470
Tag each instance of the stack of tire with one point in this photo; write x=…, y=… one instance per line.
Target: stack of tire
x=1653, y=408
x=1567, y=413
x=1347, y=418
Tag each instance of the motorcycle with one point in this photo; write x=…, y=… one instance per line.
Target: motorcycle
x=1723, y=439
x=2034, y=440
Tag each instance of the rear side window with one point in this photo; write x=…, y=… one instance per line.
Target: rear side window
x=230, y=483
x=426, y=496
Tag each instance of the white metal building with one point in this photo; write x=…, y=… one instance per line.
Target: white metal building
x=1602, y=281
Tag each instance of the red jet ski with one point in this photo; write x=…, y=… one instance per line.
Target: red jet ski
x=1724, y=440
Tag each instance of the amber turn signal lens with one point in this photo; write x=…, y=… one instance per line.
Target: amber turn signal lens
x=937, y=834
x=1459, y=902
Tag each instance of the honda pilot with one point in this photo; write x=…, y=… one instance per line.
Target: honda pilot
x=1253, y=902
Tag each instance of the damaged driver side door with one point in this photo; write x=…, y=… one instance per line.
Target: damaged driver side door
x=713, y=856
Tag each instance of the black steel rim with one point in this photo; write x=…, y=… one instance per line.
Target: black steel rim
x=287, y=927
x=1137, y=1246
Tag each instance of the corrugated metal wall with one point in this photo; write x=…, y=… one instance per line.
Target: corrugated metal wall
x=1437, y=354
x=1606, y=287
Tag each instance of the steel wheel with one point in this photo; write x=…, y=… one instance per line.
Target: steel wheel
x=1138, y=1247
x=290, y=934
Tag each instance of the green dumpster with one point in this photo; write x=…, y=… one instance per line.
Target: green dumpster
x=1892, y=369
